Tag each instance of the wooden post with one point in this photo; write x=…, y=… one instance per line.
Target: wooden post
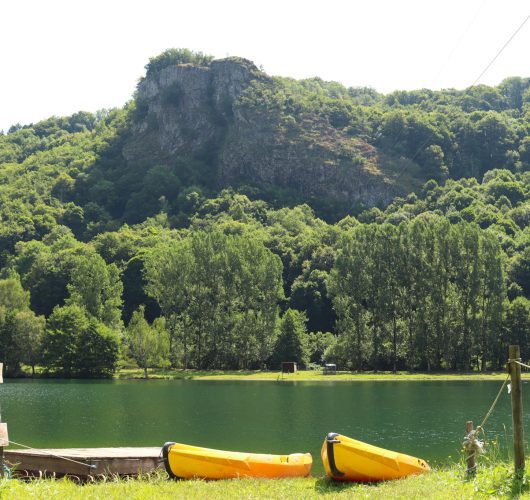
x=471, y=451
x=4, y=439
x=517, y=407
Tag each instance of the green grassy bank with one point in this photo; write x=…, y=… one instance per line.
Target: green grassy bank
x=492, y=481
x=262, y=375
x=309, y=375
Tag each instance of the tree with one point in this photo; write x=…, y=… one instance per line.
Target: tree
x=177, y=56
x=496, y=137
x=519, y=270
x=318, y=343
x=292, y=342
x=62, y=339
x=517, y=324
x=13, y=300
x=46, y=267
x=349, y=288
x=149, y=345
x=12, y=296
x=28, y=335
x=219, y=294
x=79, y=345
x=97, y=287
x=309, y=294
x=424, y=294
x=97, y=350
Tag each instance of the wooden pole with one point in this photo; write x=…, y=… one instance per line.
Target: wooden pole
x=517, y=407
x=4, y=440
x=471, y=451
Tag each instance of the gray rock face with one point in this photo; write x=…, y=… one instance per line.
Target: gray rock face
x=185, y=111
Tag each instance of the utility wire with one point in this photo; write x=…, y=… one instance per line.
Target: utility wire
x=478, y=78
x=500, y=51
x=460, y=40
x=441, y=69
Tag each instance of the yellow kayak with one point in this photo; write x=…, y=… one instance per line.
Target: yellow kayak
x=346, y=459
x=183, y=461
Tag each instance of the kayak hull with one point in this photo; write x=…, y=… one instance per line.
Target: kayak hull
x=347, y=459
x=187, y=462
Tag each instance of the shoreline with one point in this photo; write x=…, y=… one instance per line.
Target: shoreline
x=276, y=376
x=307, y=376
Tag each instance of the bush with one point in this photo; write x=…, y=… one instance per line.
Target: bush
x=177, y=56
x=75, y=345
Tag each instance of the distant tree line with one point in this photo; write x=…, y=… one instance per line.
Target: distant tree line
x=423, y=294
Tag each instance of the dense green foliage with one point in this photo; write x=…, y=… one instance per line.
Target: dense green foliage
x=438, y=279
x=220, y=294
x=448, y=134
x=77, y=344
x=292, y=343
x=21, y=331
x=420, y=295
x=148, y=344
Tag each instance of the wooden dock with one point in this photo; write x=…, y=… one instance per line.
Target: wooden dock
x=88, y=461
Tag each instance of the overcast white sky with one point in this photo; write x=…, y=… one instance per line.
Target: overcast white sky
x=61, y=56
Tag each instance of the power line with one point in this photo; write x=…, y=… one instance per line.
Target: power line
x=441, y=69
x=500, y=51
x=479, y=77
x=460, y=39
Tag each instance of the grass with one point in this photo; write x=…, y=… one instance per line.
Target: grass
x=452, y=482
x=494, y=479
x=308, y=375
x=302, y=375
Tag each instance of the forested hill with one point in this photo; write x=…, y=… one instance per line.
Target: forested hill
x=199, y=125
x=237, y=212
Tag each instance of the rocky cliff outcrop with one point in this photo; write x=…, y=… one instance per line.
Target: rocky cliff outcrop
x=216, y=112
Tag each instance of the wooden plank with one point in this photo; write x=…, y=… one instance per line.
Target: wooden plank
x=4, y=438
x=95, y=461
x=1, y=373
x=123, y=452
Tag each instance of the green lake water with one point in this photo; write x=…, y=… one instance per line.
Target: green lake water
x=423, y=418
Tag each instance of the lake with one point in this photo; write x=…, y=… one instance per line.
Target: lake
x=423, y=418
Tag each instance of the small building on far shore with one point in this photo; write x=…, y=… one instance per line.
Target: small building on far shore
x=330, y=369
x=288, y=367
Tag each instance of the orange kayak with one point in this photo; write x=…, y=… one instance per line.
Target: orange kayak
x=183, y=461
x=346, y=459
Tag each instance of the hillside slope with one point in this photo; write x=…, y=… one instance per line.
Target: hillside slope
x=220, y=112
x=198, y=125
